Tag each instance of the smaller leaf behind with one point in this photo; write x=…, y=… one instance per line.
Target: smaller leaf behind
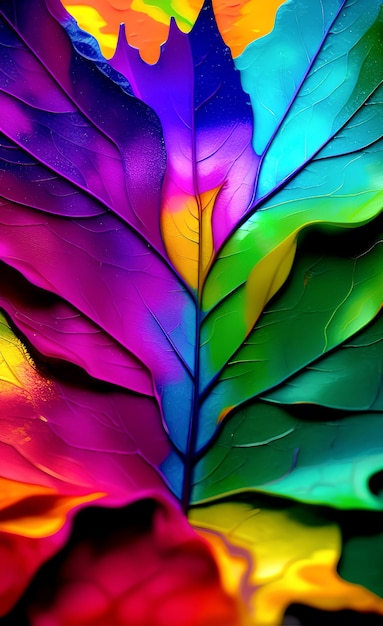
x=143, y=564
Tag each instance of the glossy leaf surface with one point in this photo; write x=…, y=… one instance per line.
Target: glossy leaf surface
x=190, y=250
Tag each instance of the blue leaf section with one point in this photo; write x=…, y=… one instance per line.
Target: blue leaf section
x=302, y=80
x=274, y=67
x=87, y=46
x=218, y=95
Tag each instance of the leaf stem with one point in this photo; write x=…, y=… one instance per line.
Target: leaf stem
x=193, y=424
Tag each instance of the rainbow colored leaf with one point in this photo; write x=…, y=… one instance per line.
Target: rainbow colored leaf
x=191, y=276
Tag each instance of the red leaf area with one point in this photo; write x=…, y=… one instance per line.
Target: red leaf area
x=173, y=569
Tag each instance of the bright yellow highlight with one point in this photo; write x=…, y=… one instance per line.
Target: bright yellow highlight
x=267, y=277
x=36, y=511
x=147, y=23
x=91, y=21
x=187, y=235
x=16, y=366
x=288, y=561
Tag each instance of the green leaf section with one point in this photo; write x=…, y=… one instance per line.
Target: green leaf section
x=326, y=300
x=265, y=448
x=321, y=318
x=350, y=378
x=362, y=549
x=341, y=185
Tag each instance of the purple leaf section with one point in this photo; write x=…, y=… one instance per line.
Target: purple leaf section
x=111, y=277
x=207, y=134
x=59, y=331
x=80, y=178
x=66, y=114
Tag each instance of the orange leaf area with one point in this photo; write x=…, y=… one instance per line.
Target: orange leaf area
x=31, y=518
x=34, y=510
x=147, y=23
x=240, y=23
x=277, y=557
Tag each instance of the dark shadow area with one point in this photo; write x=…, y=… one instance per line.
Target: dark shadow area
x=305, y=616
x=375, y=484
x=340, y=241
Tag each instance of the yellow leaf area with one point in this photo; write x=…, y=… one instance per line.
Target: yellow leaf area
x=17, y=373
x=187, y=234
x=275, y=557
x=26, y=509
x=186, y=226
x=147, y=22
x=266, y=278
